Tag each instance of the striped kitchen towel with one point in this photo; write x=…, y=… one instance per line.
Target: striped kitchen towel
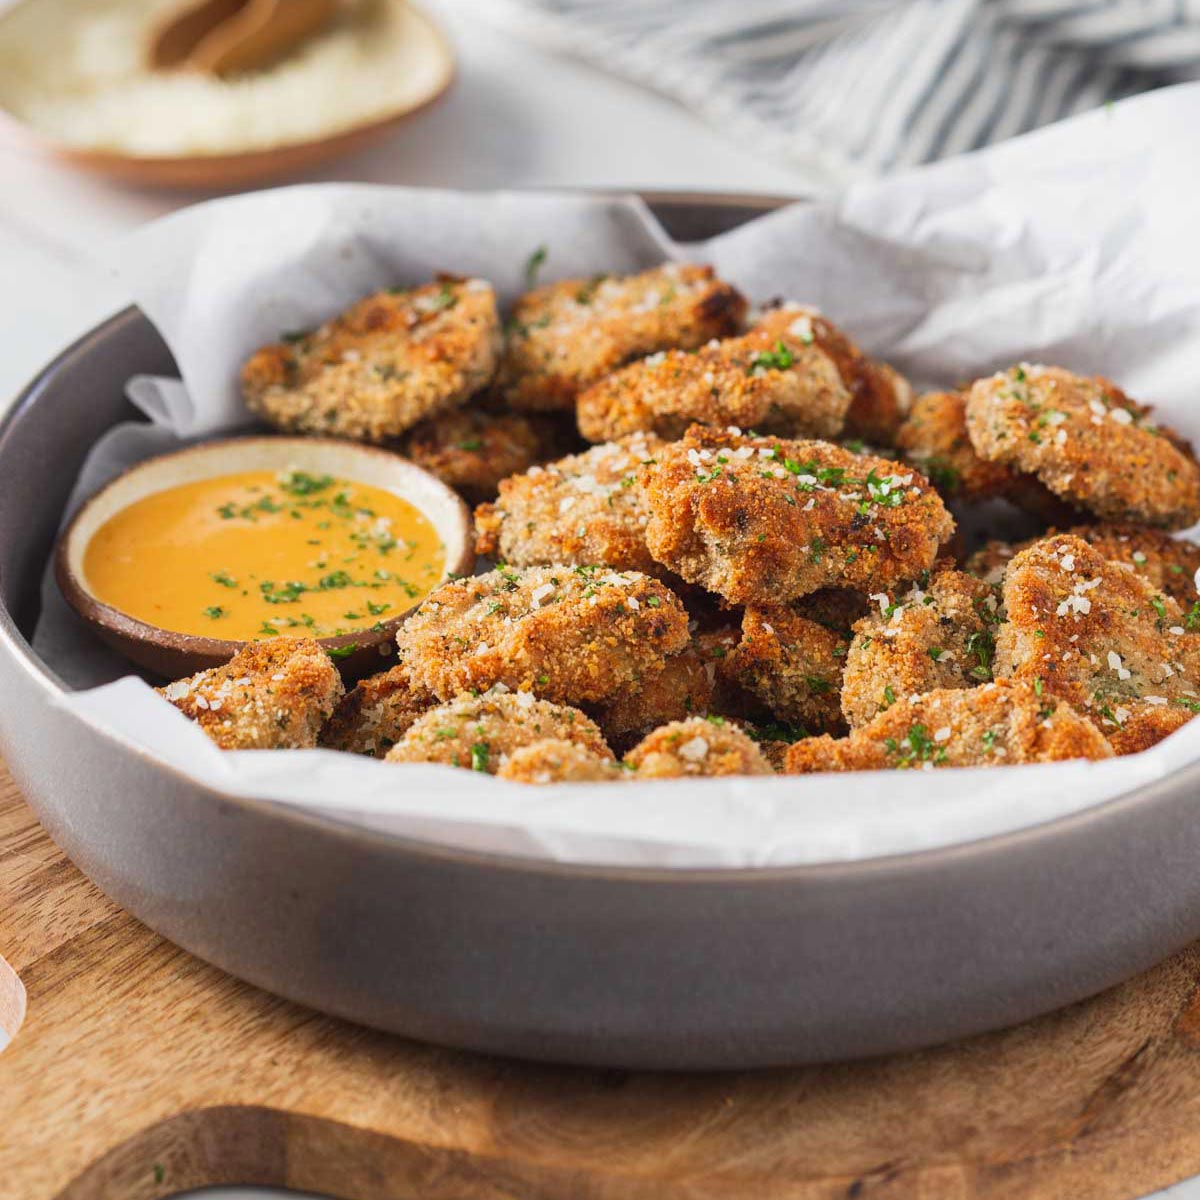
x=852, y=88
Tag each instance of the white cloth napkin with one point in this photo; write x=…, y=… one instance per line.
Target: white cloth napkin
x=850, y=88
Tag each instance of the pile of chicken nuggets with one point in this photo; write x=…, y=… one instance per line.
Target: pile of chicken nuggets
x=724, y=543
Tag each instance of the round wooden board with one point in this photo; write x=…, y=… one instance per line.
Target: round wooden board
x=138, y=1071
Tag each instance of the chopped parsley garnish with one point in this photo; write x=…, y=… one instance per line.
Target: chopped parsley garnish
x=445, y=298
x=337, y=653
x=889, y=696
x=778, y=359
x=981, y=645
x=587, y=293
x=215, y=612
x=301, y=483
x=533, y=264
x=223, y=578
x=471, y=444
x=480, y=752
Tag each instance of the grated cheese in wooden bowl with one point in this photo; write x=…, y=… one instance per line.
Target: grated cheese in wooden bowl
x=75, y=72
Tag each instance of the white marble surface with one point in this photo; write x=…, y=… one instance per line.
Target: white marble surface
x=515, y=117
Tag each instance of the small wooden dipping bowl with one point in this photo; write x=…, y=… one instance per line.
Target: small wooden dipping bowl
x=172, y=655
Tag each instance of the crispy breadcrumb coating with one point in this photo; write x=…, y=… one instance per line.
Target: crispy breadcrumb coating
x=1168, y=563
x=680, y=688
x=879, y=396
x=571, y=634
x=473, y=449
x=774, y=379
x=564, y=336
x=556, y=761
x=1088, y=443
x=1094, y=633
x=382, y=365
x=697, y=747
x=1147, y=725
x=479, y=733
x=792, y=665
x=933, y=437
x=586, y=508
x=996, y=724
x=766, y=521
x=934, y=637
x=374, y=714
x=272, y=695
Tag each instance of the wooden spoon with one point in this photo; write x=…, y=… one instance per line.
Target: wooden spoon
x=224, y=37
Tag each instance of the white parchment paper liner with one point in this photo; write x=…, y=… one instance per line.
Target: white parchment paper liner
x=1077, y=245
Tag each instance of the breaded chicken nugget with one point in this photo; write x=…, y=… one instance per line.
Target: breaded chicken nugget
x=566, y=335
x=473, y=449
x=792, y=665
x=1088, y=443
x=383, y=365
x=1147, y=725
x=996, y=724
x=680, y=688
x=939, y=636
x=934, y=439
x=698, y=746
x=571, y=634
x=557, y=761
x=480, y=732
x=1168, y=563
x=1093, y=632
x=880, y=396
x=729, y=699
x=761, y=521
x=774, y=379
x=373, y=716
x=272, y=695
x=585, y=508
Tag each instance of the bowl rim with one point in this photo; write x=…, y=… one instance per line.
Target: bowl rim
x=95, y=611
x=913, y=863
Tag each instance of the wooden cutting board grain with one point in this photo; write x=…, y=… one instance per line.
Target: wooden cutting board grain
x=139, y=1071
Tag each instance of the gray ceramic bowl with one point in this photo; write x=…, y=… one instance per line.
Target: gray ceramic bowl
x=635, y=968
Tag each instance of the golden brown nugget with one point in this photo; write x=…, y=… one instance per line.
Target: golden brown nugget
x=792, y=665
x=1169, y=564
x=1093, y=632
x=681, y=688
x=766, y=521
x=995, y=724
x=1147, y=725
x=585, y=508
x=479, y=733
x=374, y=714
x=566, y=335
x=383, y=365
x=1088, y=443
x=1166, y=563
x=699, y=746
x=933, y=437
x=879, y=396
x=939, y=636
x=558, y=761
x=473, y=449
x=272, y=695
x=774, y=379
x=571, y=634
